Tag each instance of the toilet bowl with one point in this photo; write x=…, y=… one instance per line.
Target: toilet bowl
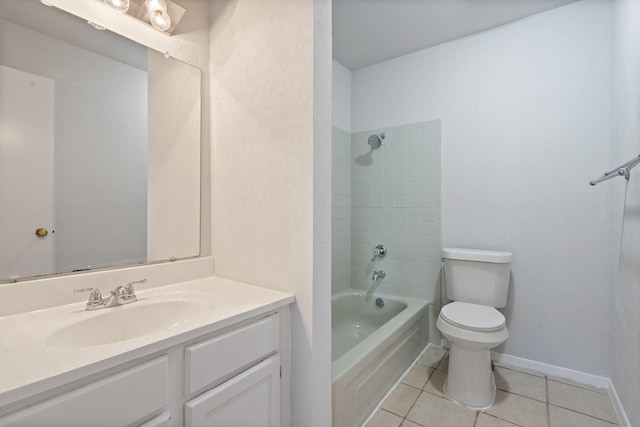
x=477, y=282
x=472, y=331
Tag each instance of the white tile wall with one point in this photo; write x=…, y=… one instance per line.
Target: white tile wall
x=341, y=210
x=396, y=202
x=391, y=196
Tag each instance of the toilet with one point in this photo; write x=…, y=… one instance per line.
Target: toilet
x=477, y=281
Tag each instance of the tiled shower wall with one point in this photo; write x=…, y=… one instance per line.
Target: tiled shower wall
x=341, y=210
x=393, y=199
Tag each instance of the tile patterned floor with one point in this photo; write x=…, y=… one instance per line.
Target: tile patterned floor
x=523, y=398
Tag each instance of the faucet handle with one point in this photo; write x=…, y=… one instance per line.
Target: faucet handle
x=128, y=292
x=128, y=288
x=95, y=297
x=119, y=292
x=379, y=252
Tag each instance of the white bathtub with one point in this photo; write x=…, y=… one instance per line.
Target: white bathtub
x=371, y=349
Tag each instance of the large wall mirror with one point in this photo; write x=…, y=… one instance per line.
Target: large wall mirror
x=99, y=147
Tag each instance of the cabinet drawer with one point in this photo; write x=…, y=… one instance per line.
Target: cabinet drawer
x=118, y=400
x=211, y=360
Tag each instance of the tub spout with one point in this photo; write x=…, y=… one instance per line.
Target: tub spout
x=378, y=275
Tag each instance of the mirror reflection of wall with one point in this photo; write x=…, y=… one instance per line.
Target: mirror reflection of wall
x=75, y=157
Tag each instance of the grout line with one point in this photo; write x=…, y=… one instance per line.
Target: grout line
x=586, y=415
x=521, y=395
x=433, y=370
x=411, y=421
x=515, y=369
x=510, y=421
x=501, y=419
x=391, y=413
x=395, y=388
x=575, y=384
x=586, y=388
x=412, y=405
x=422, y=391
x=546, y=389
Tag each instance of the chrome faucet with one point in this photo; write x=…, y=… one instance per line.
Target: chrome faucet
x=378, y=252
x=119, y=296
x=378, y=275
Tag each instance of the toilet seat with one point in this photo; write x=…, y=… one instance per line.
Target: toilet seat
x=473, y=317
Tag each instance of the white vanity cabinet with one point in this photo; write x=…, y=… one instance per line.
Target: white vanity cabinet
x=250, y=398
x=118, y=400
x=225, y=377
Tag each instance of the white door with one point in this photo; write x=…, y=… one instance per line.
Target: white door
x=250, y=399
x=26, y=173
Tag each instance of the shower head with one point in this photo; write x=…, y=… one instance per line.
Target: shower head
x=375, y=141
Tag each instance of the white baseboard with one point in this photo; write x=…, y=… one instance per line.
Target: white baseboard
x=552, y=370
x=617, y=404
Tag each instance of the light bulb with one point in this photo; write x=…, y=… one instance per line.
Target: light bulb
x=120, y=5
x=160, y=20
x=153, y=5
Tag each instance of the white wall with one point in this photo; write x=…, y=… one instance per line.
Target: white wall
x=340, y=96
x=271, y=171
x=625, y=320
x=525, y=112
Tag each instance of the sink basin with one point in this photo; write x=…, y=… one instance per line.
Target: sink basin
x=125, y=322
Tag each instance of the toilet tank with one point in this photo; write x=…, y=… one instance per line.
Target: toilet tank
x=477, y=276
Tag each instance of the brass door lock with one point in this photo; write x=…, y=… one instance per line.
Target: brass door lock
x=42, y=232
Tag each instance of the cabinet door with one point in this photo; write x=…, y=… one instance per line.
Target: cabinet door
x=251, y=399
x=163, y=420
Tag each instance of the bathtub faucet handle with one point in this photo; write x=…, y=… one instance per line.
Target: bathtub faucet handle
x=378, y=275
x=379, y=252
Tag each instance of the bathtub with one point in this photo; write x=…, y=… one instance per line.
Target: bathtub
x=371, y=348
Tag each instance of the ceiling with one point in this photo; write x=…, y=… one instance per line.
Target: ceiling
x=366, y=32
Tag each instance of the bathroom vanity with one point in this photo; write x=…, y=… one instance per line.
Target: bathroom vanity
x=197, y=353
x=193, y=349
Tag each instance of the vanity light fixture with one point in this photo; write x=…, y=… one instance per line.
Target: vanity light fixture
x=163, y=15
x=96, y=26
x=121, y=6
x=158, y=15
x=154, y=5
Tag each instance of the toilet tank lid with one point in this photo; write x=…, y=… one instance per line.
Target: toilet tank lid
x=479, y=255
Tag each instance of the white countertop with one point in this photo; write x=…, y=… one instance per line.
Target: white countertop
x=28, y=364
